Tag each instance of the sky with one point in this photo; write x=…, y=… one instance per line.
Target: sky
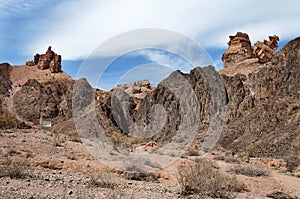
x=76, y=29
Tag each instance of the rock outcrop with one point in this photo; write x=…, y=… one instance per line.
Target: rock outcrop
x=240, y=49
x=5, y=83
x=137, y=91
x=50, y=61
x=265, y=50
x=52, y=99
x=262, y=112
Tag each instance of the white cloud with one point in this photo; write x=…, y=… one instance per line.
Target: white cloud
x=14, y=7
x=152, y=72
x=166, y=59
x=76, y=28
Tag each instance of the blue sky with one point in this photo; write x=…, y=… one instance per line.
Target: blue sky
x=76, y=28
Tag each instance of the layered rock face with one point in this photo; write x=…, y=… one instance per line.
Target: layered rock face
x=50, y=60
x=264, y=51
x=240, y=49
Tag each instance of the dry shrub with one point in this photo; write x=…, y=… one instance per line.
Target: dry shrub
x=16, y=170
x=134, y=172
x=219, y=157
x=204, y=180
x=292, y=159
x=101, y=181
x=8, y=120
x=249, y=170
x=66, y=129
x=227, y=159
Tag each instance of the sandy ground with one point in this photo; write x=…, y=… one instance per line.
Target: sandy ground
x=20, y=74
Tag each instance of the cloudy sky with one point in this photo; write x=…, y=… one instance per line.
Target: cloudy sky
x=76, y=28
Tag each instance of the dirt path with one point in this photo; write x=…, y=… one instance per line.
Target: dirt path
x=290, y=183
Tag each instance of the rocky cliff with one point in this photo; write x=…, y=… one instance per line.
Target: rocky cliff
x=264, y=108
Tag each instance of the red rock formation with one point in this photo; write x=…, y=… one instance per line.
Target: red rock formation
x=265, y=50
x=239, y=49
x=50, y=60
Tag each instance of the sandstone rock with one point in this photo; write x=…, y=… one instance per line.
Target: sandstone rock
x=50, y=60
x=239, y=49
x=55, y=66
x=266, y=49
x=43, y=64
x=137, y=91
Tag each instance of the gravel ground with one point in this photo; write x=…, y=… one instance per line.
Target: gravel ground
x=41, y=184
